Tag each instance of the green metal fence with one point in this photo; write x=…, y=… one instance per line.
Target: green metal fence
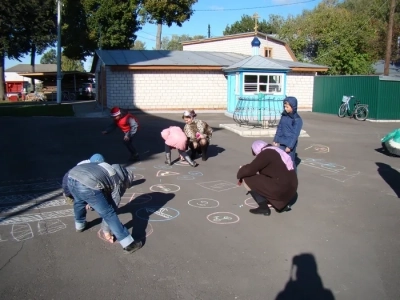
x=381, y=93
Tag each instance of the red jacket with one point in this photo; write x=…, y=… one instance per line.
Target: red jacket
x=127, y=123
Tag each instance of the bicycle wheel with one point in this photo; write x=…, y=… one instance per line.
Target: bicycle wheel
x=342, y=110
x=72, y=96
x=361, y=113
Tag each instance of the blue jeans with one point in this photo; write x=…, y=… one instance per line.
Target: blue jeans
x=96, y=199
x=292, y=155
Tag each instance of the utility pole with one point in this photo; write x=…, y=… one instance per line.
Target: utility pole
x=209, y=31
x=389, y=38
x=59, y=76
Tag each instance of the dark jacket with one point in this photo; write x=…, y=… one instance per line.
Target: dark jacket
x=289, y=127
x=274, y=181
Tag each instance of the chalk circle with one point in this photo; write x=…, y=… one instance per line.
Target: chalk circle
x=149, y=230
x=140, y=198
x=157, y=214
x=137, y=176
x=185, y=177
x=165, y=188
x=204, y=203
x=195, y=173
x=182, y=164
x=223, y=218
x=253, y=204
x=162, y=167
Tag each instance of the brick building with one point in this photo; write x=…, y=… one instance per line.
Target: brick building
x=208, y=74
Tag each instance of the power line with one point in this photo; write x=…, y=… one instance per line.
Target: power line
x=256, y=7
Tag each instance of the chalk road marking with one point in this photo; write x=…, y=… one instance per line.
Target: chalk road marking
x=223, y=218
x=156, y=214
x=165, y=188
x=28, y=187
x=162, y=173
x=32, y=205
x=336, y=172
x=218, y=186
x=317, y=148
x=163, y=167
x=29, y=197
x=37, y=217
x=203, y=203
x=185, y=177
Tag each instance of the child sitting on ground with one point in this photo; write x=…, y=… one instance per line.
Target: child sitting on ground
x=175, y=138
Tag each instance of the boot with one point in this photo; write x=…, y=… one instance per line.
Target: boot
x=204, y=149
x=190, y=161
x=192, y=152
x=168, y=159
x=263, y=208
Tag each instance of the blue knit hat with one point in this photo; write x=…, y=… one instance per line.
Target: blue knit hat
x=96, y=158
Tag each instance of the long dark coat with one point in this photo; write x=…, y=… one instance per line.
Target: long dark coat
x=273, y=182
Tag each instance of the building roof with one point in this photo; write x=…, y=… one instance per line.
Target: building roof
x=167, y=58
x=394, y=68
x=27, y=68
x=256, y=62
x=164, y=59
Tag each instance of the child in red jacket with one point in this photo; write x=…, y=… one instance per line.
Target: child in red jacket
x=129, y=126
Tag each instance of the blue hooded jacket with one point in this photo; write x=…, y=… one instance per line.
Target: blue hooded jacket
x=289, y=126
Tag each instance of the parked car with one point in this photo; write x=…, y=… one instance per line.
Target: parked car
x=88, y=90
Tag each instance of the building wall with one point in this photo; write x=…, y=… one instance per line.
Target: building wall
x=301, y=86
x=242, y=46
x=166, y=90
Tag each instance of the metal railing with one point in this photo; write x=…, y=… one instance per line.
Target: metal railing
x=261, y=110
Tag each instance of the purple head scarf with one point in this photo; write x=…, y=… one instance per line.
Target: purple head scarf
x=259, y=146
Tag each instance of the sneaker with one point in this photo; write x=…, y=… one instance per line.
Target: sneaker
x=82, y=229
x=134, y=246
x=134, y=157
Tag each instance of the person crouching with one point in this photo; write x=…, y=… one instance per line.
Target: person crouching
x=175, y=138
x=270, y=178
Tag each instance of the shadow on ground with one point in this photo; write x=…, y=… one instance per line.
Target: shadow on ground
x=391, y=176
x=304, y=282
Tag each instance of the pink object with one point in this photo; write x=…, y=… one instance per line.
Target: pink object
x=174, y=137
x=197, y=135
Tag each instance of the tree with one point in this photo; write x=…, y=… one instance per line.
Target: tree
x=67, y=64
x=247, y=23
x=50, y=57
x=42, y=28
x=175, y=43
x=330, y=35
x=166, y=12
x=92, y=24
x=139, y=45
x=13, y=34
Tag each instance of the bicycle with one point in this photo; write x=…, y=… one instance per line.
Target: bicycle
x=360, y=111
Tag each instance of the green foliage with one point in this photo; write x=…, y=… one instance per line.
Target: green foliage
x=67, y=64
x=175, y=42
x=166, y=12
x=139, y=45
x=247, y=23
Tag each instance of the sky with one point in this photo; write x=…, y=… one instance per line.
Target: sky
x=216, y=13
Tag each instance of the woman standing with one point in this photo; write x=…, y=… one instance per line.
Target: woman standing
x=270, y=178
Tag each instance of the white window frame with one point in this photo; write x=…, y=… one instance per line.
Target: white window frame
x=237, y=83
x=258, y=84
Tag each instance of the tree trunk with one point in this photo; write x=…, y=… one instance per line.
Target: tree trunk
x=2, y=79
x=33, y=54
x=158, y=38
x=389, y=38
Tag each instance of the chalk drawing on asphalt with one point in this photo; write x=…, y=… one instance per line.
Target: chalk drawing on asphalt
x=137, y=176
x=218, y=186
x=32, y=205
x=163, y=173
x=203, y=203
x=21, y=232
x=157, y=214
x=162, y=167
x=335, y=171
x=185, y=177
x=317, y=148
x=36, y=217
x=28, y=187
x=137, y=199
x=253, y=204
x=50, y=226
x=182, y=163
x=223, y=218
x=165, y=188
x=195, y=173
x=29, y=197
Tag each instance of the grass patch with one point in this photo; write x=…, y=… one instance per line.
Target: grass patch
x=37, y=110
